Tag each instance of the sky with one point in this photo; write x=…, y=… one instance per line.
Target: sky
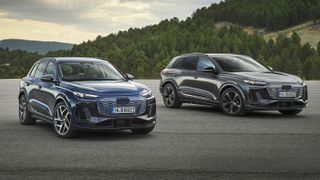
x=75, y=21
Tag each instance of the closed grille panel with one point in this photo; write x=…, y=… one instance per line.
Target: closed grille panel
x=106, y=105
x=274, y=92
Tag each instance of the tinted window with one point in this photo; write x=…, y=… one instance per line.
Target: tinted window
x=89, y=71
x=33, y=70
x=204, y=63
x=189, y=63
x=51, y=69
x=240, y=64
x=177, y=64
x=40, y=70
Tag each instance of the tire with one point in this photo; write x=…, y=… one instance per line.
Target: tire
x=24, y=114
x=290, y=112
x=232, y=103
x=142, y=131
x=170, y=96
x=62, y=121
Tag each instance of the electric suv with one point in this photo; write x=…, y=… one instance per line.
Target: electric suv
x=236, y=83
x=85, y=93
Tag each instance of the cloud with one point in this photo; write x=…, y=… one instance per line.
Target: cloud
x=98, y=16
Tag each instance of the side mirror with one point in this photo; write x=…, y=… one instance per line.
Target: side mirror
x=270, y=68
x=47, y=78
x=209, y=69
x=129, y=76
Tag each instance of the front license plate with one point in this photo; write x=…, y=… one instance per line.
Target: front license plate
x=123, y=110
x=287, y=94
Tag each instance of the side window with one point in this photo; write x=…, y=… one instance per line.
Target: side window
x=204, y=63
x=40, y=70
x=177, y=64
x=51, y=69
x=34, y=68
x=189, y=63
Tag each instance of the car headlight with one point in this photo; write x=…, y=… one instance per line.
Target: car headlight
x=84, y=95
x=255, y=83
x=300, y=81
x=146, y=93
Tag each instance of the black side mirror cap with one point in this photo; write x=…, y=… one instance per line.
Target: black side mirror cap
x=129, y=76
x=210, y=70
x=48, y=78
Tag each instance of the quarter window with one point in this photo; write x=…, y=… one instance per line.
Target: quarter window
x=33, y=71
x=177, y=64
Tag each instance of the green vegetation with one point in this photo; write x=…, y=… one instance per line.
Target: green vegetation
x=16, y=63
x=144, y=52
x=269, y=14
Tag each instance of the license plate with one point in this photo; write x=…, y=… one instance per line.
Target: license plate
x=123, y=110
x=287, y=94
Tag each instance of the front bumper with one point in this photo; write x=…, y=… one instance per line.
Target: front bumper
x=97, y=114
x=267, y=97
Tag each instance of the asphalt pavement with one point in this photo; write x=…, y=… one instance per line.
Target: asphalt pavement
x=192, y=142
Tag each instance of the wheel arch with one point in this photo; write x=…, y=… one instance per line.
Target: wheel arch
x=232, y=85
x=169, y=81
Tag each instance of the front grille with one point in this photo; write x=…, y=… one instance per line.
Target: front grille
x=275, y=90
x=106, y=105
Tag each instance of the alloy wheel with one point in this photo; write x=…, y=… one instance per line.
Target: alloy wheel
x=62, y=120
x=169, y=95
x=22, y=109
x=231, y=102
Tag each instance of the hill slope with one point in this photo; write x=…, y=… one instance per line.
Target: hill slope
x=41, y=47
x=309, y=32
x=268, y=14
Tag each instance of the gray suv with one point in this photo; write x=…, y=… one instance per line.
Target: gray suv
x=236, y=83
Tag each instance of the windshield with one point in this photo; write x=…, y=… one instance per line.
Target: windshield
x=240, y=64
x=89, y=71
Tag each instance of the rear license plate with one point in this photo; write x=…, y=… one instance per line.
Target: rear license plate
x=123, y=110
x=289, y=94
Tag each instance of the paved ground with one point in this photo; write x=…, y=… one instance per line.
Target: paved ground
x=193, y=142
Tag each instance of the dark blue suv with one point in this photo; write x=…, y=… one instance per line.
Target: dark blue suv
x=85, y=93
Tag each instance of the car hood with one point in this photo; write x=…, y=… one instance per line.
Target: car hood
x=270, y=77
x=107, y=87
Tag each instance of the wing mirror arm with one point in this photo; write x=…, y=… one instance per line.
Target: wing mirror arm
x=129, y=76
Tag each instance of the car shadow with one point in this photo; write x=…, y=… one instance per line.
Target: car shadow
x=253, y=114
x=97, y=134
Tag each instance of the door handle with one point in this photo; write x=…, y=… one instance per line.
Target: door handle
x=40, y=87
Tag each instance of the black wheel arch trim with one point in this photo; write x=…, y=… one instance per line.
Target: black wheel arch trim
x=232, y=85
x=166, y=82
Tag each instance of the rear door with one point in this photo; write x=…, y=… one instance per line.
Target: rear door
x=186, y=80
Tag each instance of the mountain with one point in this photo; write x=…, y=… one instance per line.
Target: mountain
x=145, y=51
x=41, y=47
